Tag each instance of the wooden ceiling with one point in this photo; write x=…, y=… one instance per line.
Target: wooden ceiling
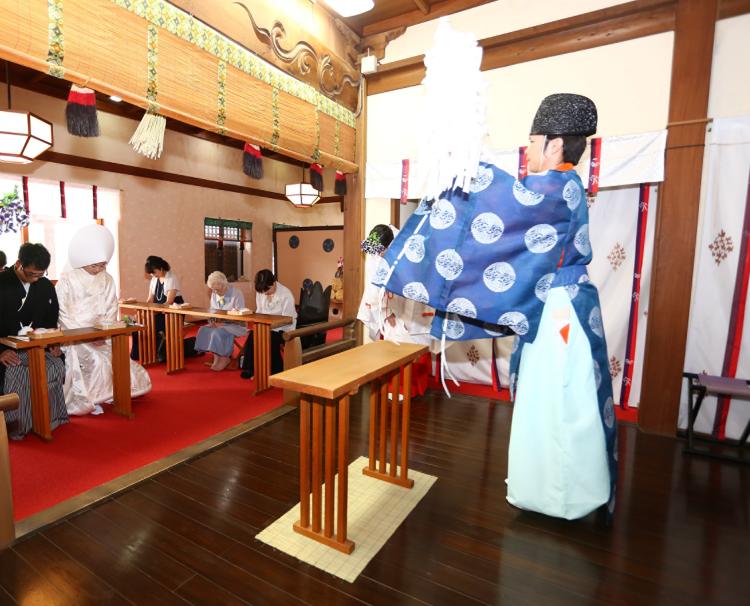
x=391, y=14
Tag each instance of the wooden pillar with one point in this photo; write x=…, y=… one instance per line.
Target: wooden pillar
x=677, y=217
x=354, y=222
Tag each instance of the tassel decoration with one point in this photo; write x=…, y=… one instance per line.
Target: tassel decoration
x=148, y=138
x=340, y=185
x=80, y=113
x=316, y=176
x=252, y=161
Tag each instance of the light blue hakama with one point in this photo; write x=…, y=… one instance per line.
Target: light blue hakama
x=557, y=459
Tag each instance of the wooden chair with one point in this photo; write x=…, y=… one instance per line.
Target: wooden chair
x=295, y=356
x=700, y=385
x=7, y=526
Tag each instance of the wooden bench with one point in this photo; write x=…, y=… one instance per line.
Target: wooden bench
x=295, y=356
x=7, y=526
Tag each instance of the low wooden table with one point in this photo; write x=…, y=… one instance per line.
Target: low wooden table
x=38, y=370
x=325, y=386
x=260, y=324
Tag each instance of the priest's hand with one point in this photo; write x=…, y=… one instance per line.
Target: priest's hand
x=55, y=351
x=9, y=358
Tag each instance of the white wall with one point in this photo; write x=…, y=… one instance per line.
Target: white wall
x=628, y=81
x=730, y=82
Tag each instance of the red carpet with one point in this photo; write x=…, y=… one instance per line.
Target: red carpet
x=182, y=409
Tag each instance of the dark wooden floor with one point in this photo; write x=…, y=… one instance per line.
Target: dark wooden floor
x=681, y=534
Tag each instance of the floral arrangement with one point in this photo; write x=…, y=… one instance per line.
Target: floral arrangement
x=371, y=245
x=12, y=212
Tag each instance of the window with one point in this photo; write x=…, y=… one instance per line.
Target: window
x=56, y=211
x=227, y=247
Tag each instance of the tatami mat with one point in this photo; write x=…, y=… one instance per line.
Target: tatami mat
x=376, y=509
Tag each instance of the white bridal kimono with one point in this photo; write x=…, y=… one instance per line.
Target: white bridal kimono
x=86, y=300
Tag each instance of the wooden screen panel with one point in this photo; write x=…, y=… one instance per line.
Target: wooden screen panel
x=296, y=124
x=347, y=143
x=248, y=104
x=24, y=24
x=188, y=80
x=98, y=37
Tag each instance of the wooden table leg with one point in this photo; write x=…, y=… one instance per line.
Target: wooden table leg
x=147, y=337
x=398, y=423
x=383, y=424
x=175, y=357
x=374, y=393
x=40, y=421
x=7, y=526
x=330, y=445
x=322, y=530
x=317, y=455
x=304, y=463
x=395, y=391
x=261, y=355
x=121, y=376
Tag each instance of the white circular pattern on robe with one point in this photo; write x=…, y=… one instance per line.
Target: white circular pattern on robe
x=443, y=214
x=526, y=196
x=516, y=320
x=581, y=241
x=381, y=273
x=597, y=375
x=454, y=328
x=499, y=277
x=462, y=307
x=541, y=290
x=572, y=290
x=572, y=194
x=541, y=238
x=423, y=207
x=483, y=180
x=417, y=292
x=449, y=264
x=415, y=248
x=595, y=322
x=609, y=413
x=487, y=228
x=584, y=279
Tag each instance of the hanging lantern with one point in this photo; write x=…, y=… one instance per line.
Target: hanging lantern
x=23, y=136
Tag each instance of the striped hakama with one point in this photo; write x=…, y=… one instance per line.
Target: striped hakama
x=18, y=380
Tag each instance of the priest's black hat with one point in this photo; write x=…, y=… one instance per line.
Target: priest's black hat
x=565, y=114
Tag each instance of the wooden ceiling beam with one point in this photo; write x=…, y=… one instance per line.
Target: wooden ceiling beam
x=439, y=9
x=598, y=28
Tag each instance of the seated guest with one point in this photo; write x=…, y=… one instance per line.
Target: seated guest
x=3, y=260
x=164, y=288
x=27, y=298
x=272, y=297
x=87, y=297
x=218, y=337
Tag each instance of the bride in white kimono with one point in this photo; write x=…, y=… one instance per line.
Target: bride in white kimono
x=87, y=297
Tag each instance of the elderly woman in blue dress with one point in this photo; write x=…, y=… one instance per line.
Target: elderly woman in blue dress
x=218, y=337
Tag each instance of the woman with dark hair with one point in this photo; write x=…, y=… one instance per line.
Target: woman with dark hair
x=271, y=297
x=164, y=288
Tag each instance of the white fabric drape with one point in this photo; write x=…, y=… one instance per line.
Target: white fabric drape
x=722, y=215
x=613, y=220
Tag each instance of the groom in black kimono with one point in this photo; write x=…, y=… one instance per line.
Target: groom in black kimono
x=28, y=298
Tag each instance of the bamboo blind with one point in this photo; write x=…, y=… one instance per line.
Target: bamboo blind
x=155, y=56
